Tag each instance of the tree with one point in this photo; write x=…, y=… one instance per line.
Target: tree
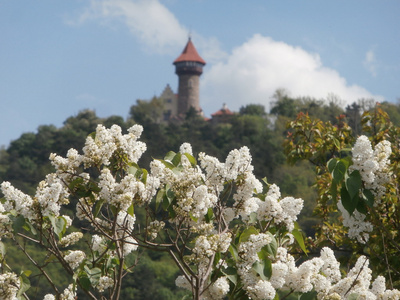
x=231, y=235
x=148, y=111
x=358, y=193
x=253, y=109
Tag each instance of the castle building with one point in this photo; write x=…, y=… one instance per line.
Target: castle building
x=189, y=66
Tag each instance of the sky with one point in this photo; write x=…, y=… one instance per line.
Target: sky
x=60, y=57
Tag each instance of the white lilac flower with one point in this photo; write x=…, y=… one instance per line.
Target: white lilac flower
x=280, y=211
x=71, y=239
x=154, y=228
x=214, y=172
x=279, y=271
x=248, y=255
x=291, y=207
x=105, y=282
x=373, y=165
x=237, y=162
x=99, y=150
x=182, y=282
x=186, y=148
x=15, y=199
x=9, y=286
x=74, y=258
x=51, y=194
x=300, y=279
x=68, y=220
x=69, y=293
x=5, y=225
x=98, y=243
x=358, y=227
x=130, y=245
x=219, y=288
x=49, y=297
x=261, y=290
x=331, y=267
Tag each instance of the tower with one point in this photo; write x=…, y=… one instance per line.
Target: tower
x=188, y=66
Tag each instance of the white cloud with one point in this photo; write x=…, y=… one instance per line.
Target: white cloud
x=149, y=20
x=256, y=69
x=152, y=23
x=370, y=62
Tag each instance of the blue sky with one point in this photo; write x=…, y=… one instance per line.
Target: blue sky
x=59, y=57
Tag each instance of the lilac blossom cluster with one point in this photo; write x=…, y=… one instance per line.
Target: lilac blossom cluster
x=373, y=165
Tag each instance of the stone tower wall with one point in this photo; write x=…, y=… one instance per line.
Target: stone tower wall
x=188, y=94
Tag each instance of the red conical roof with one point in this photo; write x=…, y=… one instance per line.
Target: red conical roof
x=189, y=54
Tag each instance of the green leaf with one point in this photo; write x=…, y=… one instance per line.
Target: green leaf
x=29, y=227
x=159, y=197
x=272, y=247
x=369, y=197
x=144, y=176
x=170, y=155
x=334, y=191
x=361, y=207
x=97, y=207
x=75, y=182
x=332, y=164
x=300, y=239
x=25, y=283
x=133, y=168
x=253, y=218
x=309, y=296
x=231, y=274
x=191, y=159
x=353, y=296
x=353, y=183
x=217, y=258
x=348, y=203
x=246, y=234
x=170, y=195
x=168, y=164
x=93, y=274
x=337, y=143
x=233, y=251
x=131, y=210
x=339, y=171
x=210, y=215
x=263, y=268
x=177, y=159
x=18, y=222
x=84, y=281
x=59, y=226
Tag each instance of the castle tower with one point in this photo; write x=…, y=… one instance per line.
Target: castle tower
x=189, y=66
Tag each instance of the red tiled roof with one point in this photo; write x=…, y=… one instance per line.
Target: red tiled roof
x=190, y=54
x=222, y=112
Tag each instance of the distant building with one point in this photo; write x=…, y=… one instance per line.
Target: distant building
x=188, y=66
x=224, y=115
